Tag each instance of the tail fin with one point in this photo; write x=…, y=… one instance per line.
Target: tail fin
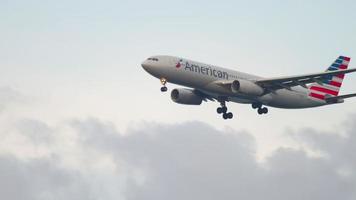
x=331, y=86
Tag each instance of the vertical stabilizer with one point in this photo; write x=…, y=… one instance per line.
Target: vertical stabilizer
x=332, y=84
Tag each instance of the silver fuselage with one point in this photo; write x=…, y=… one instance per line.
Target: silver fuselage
x=204, y=77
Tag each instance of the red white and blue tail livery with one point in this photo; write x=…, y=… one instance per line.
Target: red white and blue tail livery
x=330, y=87
x=209, y=82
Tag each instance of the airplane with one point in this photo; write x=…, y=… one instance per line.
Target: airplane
x=209, y=82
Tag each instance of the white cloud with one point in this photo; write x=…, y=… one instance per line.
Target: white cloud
x=190, y=160
x=10, y=97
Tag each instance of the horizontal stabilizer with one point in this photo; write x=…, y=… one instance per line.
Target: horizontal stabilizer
x=339, y=98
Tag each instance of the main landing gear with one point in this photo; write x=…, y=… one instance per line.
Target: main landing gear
x=260, y=110
x=223, y=110
x=163, y=82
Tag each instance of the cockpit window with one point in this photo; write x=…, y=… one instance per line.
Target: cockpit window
x=153, y=59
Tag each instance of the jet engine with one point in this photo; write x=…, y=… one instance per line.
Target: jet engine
x=246, y=87
x=186, y=96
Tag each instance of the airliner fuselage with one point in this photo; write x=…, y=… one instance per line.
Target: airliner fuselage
x=213, y=82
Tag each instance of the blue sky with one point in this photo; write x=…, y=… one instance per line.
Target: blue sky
x=65, y=60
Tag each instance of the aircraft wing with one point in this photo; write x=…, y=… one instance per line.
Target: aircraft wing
x=204, y=96
x=302, y=80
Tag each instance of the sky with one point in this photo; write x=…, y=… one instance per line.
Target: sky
x=81, y=119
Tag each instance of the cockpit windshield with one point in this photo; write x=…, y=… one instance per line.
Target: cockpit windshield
x=153, y=59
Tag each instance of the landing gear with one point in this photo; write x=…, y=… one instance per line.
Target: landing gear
x=223, y=110
x=263, y=110
x=164, y=89
x=256, y=105
x=228, y=115
x=260, y=110
x=163, y=82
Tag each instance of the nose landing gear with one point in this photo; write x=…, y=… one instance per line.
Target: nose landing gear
x=223, y=110
x=163, y=82
x=260, y=110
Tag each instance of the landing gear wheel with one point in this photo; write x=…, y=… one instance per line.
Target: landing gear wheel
x=260, y=111
x=225, y=116
x=221, y=110
x=265, y=110
x=164, y=89
x=230, y=115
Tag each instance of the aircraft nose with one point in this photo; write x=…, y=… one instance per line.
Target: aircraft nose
x=145, y=65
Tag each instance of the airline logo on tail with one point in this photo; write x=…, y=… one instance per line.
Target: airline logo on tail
x=332, y=84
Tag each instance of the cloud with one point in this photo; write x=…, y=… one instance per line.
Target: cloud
x=9, y=96
x=38, y=179
x=337, y=145
x=190, y=160
x=195, y=161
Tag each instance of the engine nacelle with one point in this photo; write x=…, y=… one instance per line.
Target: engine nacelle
x=185, y=96
x=246, y=87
